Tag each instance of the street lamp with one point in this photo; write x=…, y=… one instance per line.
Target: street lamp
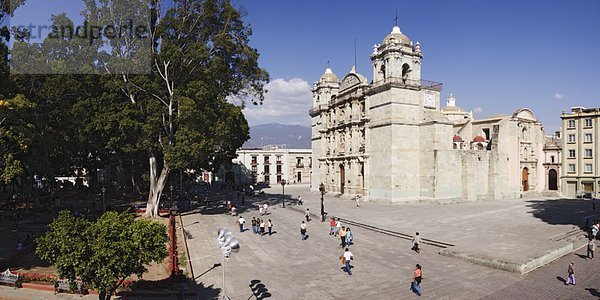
x=322, y=190
x=228, y=245
x=283, y=191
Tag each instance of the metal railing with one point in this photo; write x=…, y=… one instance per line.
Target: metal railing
x=411, y=82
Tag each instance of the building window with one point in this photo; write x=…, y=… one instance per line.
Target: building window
x=588, y=153
x=571, y=153
x=571, y=138
x=266, y=169
x=267, y=180
x=588, y=122
x=588, y=138
x=266, y=160
x=254, y=160
x=278, y=159
x=552, y=159
x=571, y=168
x=278, y=169
x=278, y=178
x=571, y=124
x=587, y=168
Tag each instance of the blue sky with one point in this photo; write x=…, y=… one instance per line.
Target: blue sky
x=494, y=56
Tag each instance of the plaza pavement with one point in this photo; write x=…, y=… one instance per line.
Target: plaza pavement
x=284, y=267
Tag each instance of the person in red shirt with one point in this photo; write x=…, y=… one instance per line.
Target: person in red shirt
x=417, y=277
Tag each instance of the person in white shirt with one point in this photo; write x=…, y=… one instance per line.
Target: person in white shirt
x=416, y=242
x=241, y=222
x=348, y=257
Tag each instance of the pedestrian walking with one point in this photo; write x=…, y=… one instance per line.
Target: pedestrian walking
x=300, y=202
x=594, y=231
x=303, y=231
x=307, y=215
x=591, y=247
x=338, y=226
x=265, y=208
x=349, y=237
x=571, y=276
x=262, y=227
x=270, y=226
x=241, y=222
x=416, y=242
x=260, y=209
x=343, y=237
x=417, y=278
x=357, y=198
x=346, y=258
x=332, y=226
x=256, y=229
x=254, y=224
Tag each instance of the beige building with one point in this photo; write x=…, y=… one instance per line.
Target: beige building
x=581, y=147
x=553, y=161
x=271, y=164
x=390, y=140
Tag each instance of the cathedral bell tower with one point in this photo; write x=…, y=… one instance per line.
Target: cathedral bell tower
x=396, y=59
x=323, y=91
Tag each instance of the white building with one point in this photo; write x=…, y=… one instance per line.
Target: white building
x=390, y=140
x=270, y=164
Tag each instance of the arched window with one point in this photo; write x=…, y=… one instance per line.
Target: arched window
x=524, y=134
x=382, y=70
x=479, y=146
x=405, y=70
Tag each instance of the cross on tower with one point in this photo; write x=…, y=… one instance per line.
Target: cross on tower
x=396, y=18
x=328, y=63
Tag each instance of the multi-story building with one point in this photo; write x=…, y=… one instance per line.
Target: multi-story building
x=390, y=140
x=580, y=150
x=270, y=165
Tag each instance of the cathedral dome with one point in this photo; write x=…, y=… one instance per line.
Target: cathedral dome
x=396, y=36
x=328, y=76
x=457, y=138
x=478, y=139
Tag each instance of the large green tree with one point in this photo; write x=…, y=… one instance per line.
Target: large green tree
x=199, y=59
x=102, y=253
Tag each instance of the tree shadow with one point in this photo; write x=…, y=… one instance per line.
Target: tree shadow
x=593, y=292
x=563, y=211
x=168, y=288
x=259, y=290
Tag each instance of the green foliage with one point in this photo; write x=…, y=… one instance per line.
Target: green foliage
x=105, y=252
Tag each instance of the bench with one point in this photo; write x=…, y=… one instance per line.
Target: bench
x=63, y=285
x=10, y=278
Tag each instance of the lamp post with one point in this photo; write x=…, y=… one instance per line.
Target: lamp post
x=283, y=191
x=322, y=190
x=228, y=245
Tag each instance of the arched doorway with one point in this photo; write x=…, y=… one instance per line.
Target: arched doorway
x=342, y=178
x=524, y=179
x=552, y=180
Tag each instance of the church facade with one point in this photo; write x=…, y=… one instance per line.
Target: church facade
x=390, y=139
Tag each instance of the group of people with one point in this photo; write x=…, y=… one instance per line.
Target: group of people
x=258, y=226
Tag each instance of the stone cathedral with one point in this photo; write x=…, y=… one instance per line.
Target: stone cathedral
x=390, y=140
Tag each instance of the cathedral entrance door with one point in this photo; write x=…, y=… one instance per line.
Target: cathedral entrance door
x=342, y=178
x=552, y=180
x=525, y=179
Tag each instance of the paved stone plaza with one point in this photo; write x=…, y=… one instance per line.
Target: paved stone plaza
x=282, y=266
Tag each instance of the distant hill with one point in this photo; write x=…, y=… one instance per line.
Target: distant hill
x=293, y=136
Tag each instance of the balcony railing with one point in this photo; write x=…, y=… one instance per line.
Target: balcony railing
x=411, y=82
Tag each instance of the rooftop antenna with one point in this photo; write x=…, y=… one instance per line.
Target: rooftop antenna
x=396, y=18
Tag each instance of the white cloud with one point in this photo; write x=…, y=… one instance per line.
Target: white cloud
x=558, y=96
x=286, y=102
x=478, y=110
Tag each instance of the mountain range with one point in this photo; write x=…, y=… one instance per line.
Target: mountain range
x=293, y=136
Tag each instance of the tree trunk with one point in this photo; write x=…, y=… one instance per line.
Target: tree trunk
x=157, y=184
